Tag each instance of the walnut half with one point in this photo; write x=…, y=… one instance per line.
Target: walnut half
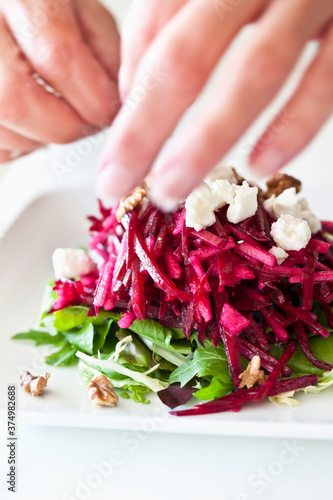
x=252, y=375
x=130, y=201
x=277, y=183
x=101, y=391
x=34, y=385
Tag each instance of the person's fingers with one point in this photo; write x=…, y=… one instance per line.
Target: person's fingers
x=25, y=106
x=302, y=117
x=170, y=76
x=100, y=33
x=144, y=20
x=258, y=71
x=9, y=140
x=57, y=52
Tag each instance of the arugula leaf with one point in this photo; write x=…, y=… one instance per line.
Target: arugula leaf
x=207, y=362
x=82, y=338
x=40, y=337
x=64, y=357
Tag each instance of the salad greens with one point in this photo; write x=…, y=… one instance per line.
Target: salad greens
x=149, y=356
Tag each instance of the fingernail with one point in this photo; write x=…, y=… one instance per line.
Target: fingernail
x=114, y=182
x=268, y=160
x=169, y=187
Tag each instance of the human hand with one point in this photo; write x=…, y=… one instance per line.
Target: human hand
x=73, y=46
x=182, y=41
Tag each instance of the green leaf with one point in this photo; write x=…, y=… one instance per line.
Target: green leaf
x=207, y=362
x=82, y=338
x=299, y=362
x=152, y=330
x=130, y=388
x=124, y=395
x=216, y=389
x=136, y=353
x=101, y=332
x=160, y=335
x=40, y=337
x=322, y=349
x=177, y=333
x=64, y=357
x=137, y=393
x=70, y=317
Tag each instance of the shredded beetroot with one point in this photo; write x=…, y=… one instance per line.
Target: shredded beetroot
x=305, y=346
x=221, y=282
x=243, y=396
x=232, y=320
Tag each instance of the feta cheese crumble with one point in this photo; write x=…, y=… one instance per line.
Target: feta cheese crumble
x=280, y=254
x=244, y=203
x=220, y=173
x=200, y=207
x=68, y=263
x=210, y=196
x=288, y=203
x=291, y=233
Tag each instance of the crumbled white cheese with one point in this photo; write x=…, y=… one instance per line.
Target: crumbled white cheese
x=200, y=205
x=223, y=192
x=69, y=263
x=313, y=221
x=220, y=173
x=287, y=203
x=208, y=197
x=280, y=254
x=291, y=233
x=303, y=203
x=244, y=203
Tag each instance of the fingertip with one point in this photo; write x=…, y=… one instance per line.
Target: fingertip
x=113, y=182
x=266, y=161
x=170, y=185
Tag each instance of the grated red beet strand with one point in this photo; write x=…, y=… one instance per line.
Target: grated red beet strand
x=305, y=346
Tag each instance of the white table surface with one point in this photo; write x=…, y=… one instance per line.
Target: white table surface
x=66, y=463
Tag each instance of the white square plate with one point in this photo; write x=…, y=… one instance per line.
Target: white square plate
x=58, y=219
